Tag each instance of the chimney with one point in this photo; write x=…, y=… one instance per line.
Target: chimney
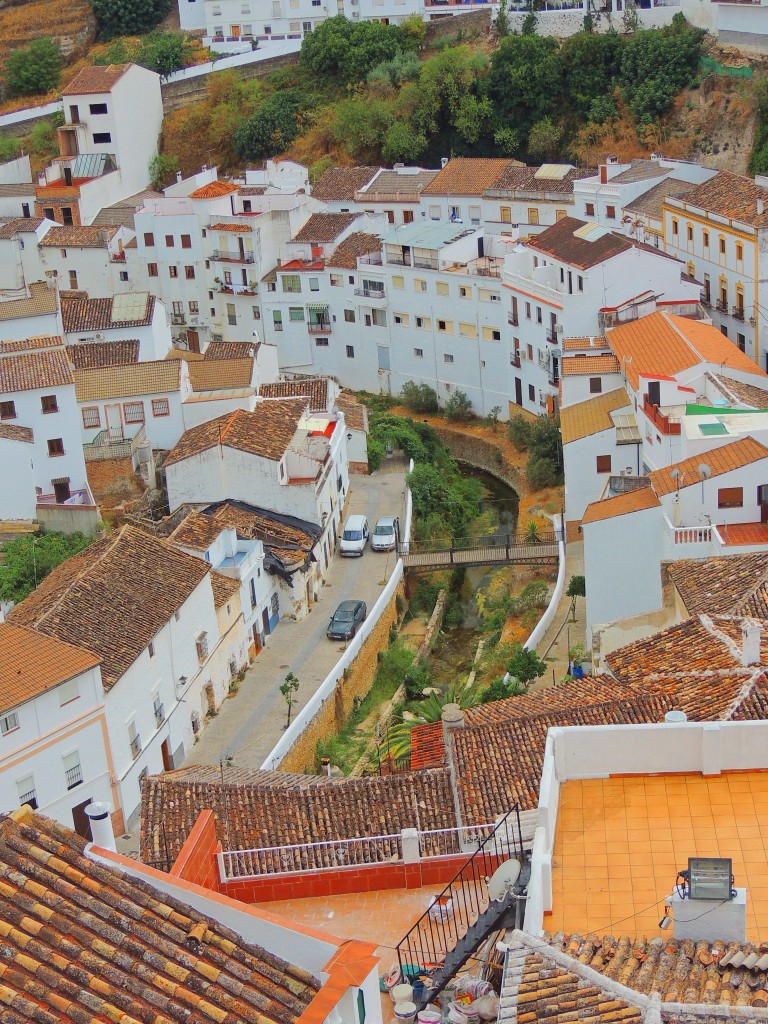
x=443, y=161
x=452, y=718
x=760, y=206
x=101, y=826
x=603, y=174
x=179, y=178
x=751, y=634
x=325, y=766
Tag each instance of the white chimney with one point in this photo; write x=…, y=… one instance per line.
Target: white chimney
x=101, y=826
x=443, y=161
x=675, y=717
x=760, y=206
x=751, y=634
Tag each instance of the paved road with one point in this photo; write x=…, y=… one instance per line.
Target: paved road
x=250, y=724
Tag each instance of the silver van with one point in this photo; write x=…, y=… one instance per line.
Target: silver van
x=355, y=536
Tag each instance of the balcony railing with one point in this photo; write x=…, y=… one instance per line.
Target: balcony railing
x=373, y=260
x=514, y=360
x=399, y=261
x=321, y=327
x=513, y=320
x=135, y=747
x=159, y=714
x=722, y=306
x=554, y=379
x=738, y=312
x=74, y=776
x=552, y=338
x=371, y=293
x=659, y=419
x=426, y=262
x=225, y=256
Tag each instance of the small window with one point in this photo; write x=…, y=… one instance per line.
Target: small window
x=173, y=271
x=349, y=316
x=337, y=280
x=101, y=138
x=151, y=649
x=350, y=351
x=739, y=251
x=722, y=246
x=603, y=463
x=506, y=215
x=68, y=692
x=533, y=215
x=689, y=232
x=73, y=772
x=397, y=281
x=560, y=215
x=7, y=410
x=178, y=309
x=149, y=238
x=189, y=273
x=152, y=269
x=531, y=393
x=123, y=275
x=610, y=212
x=9, y=723
x=418, y=353
x=91, y=417
x=314, y=284
x=291, y=283
x=133, y=412
x=441, y=288
x=321, y=343
x=527, y=311
x=730, y=497
x=55, y=446
x=705, y=239
x=73, y=280
x=201, y=646
x=169, y=241
x=296, y=314
x=442, y=325
x=49, y=403
x=589, y=209
x=595, y=385
x=186, y=241
x=675, y=226
x=194, y=309
x=27, y=792
x=98, y=108
x=447, y=357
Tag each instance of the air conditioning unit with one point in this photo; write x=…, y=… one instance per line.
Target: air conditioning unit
x=518, y=354
x=558, y=328
x=543, y=400
x=194, y=321
x=543, y=358
x=98, y=337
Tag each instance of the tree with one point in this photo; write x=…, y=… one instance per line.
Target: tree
x=271, y=129
x=128, y=17
x=362, y=125
x=348, y=50
x=449, y=110
x=502, y=688
x=10, y=148
x=288, y=690
x=502, y=20
x=525, y=665
x=33, y=69
x=458, y=406
x=402, y=144
x=524, y=83
x=520, y=431
x=591, y=65
x=655, y=65
x=28, y=560
x=544, y=140
x=418, y=397
x=576, y=588
x=162, y=169
x=164, y=52
x=545, y=462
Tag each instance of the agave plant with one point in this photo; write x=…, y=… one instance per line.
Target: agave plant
x=398, y=736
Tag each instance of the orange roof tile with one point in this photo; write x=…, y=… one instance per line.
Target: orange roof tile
x=730, y=195
x=241, y=228
x=95, y=80
x=468, y=176
x=591, y=416
x=30, y=371
x=580, y=344
x=31, y=663
x=580, y=365
x=266, y=432
x=213, y=190
x=562, y=243
x=621, y=505
x=720, y=460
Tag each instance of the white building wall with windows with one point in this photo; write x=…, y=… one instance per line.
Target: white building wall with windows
x=161, y=415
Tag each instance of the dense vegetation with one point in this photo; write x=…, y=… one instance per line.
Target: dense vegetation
x=541, y=440
x=28, y=560
x=758, y=160
x=34, y=69
x=128, y=17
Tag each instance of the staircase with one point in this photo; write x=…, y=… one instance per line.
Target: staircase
x=463, y=914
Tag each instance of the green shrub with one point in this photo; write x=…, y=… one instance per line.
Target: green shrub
x=128, y=17
x=458, y=407
x=418, y=397
x=519, y=431
x=33, y=69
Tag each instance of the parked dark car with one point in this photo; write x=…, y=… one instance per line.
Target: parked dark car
x=346, y=620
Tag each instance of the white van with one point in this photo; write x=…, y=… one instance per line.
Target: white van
x=355, y=536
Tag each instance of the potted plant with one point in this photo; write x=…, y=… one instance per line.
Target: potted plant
x=577, y=655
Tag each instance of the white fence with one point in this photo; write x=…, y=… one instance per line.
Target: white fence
x=547, y=618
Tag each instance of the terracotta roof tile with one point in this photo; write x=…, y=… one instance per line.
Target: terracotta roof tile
x=260, y=808
x=31, y=663
x=92, y=355
x=591, y=416
x=354, y=246
x=340, y=183
x=17, y=224
x=40, y=301
x=468, y=176
x=581, y=365
x=561, y=243
x=720, y=460
x=252, y=190
x=197, y=531
x=155, y=377
x=95, y=80
x=33, y=370
x=243, y=229
x=12, y=432
x=224, y=588
x=720, y=585
x=324, y=227
x=31, y=344
x=745, y=394
x=267, y=431
x=98, y=599
x=582, y=344
x=315, y=390
x=78, y=237
x=98, y=314
x=530, y=180
x=427, y=746
x=392, y=186
x=355, y=413
x=216, y=374
x=662, y=344
x=639, y=500
x=288, y=538
x=231, y=349
x=650, y=203
x=213, y=190
x=730, y=195
x=95, y=943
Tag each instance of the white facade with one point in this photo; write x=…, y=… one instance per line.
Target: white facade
x=101, y=270
x=16, y=457
x=154, y=337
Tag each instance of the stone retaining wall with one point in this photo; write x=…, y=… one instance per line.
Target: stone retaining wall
x=482, y=454
x=181, y=93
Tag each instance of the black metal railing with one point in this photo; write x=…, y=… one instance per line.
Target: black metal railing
x=74, y=776
x=507, y=541
x=135, y=747
x=371, y=293
x=461, y=903
x=225, y=256
x=319, y=326
x=159, y=714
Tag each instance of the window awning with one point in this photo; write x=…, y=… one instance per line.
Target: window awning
x=60, y=480
x=317, y=307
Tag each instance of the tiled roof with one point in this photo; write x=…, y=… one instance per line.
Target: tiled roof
x=197, y=531
x=95, y=80
x=17, y=224
x=242, y=229
x=580, y=365
x=290, y=538
x=746, y=394
x=324, y=227
x=358, y=244
x=12, y=432
x=41, y=300
x=89, y=943
x=276, y=808
x=621, y=505
x=499, y=765
x=639, y=170
x=581, y=344
x=468, y=176
x=266, y=432
x=231, y=349
x=224, y=588
x=722, y=585
x=354, y=411
x=113, y=597
x=91, y=355
x=252, y=190
x=519, y=178
x=731, y=195
x=561, y=243
x=707, y=696
x=427, y=746
x=78, y=237
x=29, y=371
x=96, y=315
x=213, y=190
x=41, y=341
x=215, y=374
x=720, y=460
x=156, y=377
x=591, y=416
x=340, y=183
x=649, y=204
x=314, y=390
x=388, y=185
x=123, y=212
x=31, y=663
x=662, y=344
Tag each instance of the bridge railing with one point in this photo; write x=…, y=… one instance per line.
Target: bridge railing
x=495, y=540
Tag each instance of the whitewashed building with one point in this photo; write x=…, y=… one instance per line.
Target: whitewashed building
x=126, y=316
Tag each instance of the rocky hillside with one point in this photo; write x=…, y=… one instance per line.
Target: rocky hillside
x=70, y=23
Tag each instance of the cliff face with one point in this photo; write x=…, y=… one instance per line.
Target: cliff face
x=70, y=23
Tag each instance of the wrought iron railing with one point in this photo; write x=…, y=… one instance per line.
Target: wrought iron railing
x=226, y=256
x=74, y=776
x=333, y=853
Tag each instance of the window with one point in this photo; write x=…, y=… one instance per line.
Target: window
x=739, y=252
x=201, y=646
x=173, y=271
x=133, y=412
x=424, y=322
x=152, y=269
x=464, y=292
x=398, y=281
x=418, y=353
x=134, y=740
x=189, y=273
x=441, y=288
x=379, y=317
x=529, y=352
x=27, y=793
x=603, y=463
x=531, y=393
x=161, y=407
x=349, y=316
x=314, y=284
x=296, y=314
x=337, y=280
x=589, y=210
x=7, y=410
x=722, y=246
x=505, y=215
x=610, y=212
x=705, y=239
x=149, y=238
x=9, y=723
x=194, y=309
x=730, y=497
x=350, y=351
x=580, y=283
x=401, y=319
x=533, y=215
x=68, y=692
x=186, y=241
x=98, y=108
x=55, y=446
x=442, y=325
x=274, y=604
x=73, y=280
x=595, y=385
x=675, y=226
x=741, y=343
x=291, y=283
x=169, y=241
x=468, y=330
x=256, y=312
x=491, y=334
x=123, y=275
x=91, y=418
x=447, y=357
x=73, y=772
x=527, y=311
x=321, y=343
x=277, y=319
x=49, y=403
x=178, y=309
x=101, y=138
x=689, y=232
x=560, y=215
x=419, y=284
x=231, y=314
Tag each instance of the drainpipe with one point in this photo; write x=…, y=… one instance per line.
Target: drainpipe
x=453, y=718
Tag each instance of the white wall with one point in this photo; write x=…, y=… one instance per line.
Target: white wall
x=17, y=461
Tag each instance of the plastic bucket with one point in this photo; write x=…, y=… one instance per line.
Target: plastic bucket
x=402, y=994
x=429, y=1015
x=405, y=1013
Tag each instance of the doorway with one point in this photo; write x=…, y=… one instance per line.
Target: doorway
x=165, y=751
x=81, y=821
x=265, y=621
x=518, y=391
x=61, y=491
x=114, y=422
x=193, y=341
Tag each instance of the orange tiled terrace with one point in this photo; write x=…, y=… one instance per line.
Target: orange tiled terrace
x=621, y=841
x=735, y=534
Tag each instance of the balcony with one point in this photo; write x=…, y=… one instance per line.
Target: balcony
x=514, y=360
x=225, y=256
x=399, y=261
x=554, y=378
x=663, y=423
x=426, y=262
x=319, y=327
x=159, y=714
x=74, y=776
x=373, y=260
x=135, y=747
x=371, y=293
x=722, y=306
x=513, y=320
x=552, y=338
x=738, y=312
x=237, y=289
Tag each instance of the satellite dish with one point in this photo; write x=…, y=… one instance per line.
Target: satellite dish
x=705, y=471
x=674, y=473
x=503, y=878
